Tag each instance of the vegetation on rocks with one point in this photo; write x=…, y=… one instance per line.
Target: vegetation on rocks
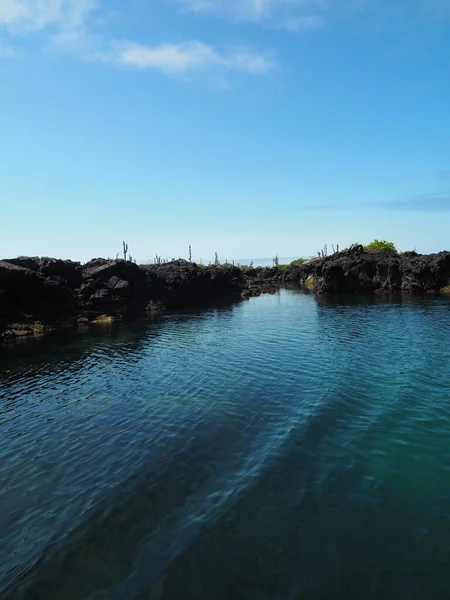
x=359, y=270
x=42, y=294
x=297, y=261
x=381, y=246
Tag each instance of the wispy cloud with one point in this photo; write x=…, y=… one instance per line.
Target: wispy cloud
x=187, y=57
x=246, y=9
x=23, y=16
x=302, y=15
x=433, y=202
x=296, y=15
x=65, y=23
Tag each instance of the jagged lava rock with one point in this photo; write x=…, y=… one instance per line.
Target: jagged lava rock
x=356, y=271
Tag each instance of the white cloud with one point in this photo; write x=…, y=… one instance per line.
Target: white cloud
x=187, y=57
x=24, y=16
x=65, y=26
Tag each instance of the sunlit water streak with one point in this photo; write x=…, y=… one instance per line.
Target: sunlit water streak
x=284, y=447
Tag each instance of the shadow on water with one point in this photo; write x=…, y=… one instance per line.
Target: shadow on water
x=288, y=535
x=60, y=349
x=273, y=499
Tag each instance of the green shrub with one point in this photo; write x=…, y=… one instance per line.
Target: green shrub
x=298, y=261
x=246, y=267
x=283, y=267
x=381, y=246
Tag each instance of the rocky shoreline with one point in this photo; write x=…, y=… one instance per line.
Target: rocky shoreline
x=38, y=295
x=356, y=271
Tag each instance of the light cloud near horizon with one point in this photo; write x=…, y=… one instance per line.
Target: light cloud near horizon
x=432, y=202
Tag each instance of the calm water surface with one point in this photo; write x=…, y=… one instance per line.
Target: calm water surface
x=283, y=448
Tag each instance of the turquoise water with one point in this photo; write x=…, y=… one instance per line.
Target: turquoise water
x=280, y=448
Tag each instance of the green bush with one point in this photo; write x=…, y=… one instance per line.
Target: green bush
x=298, y=261
x=381, y=246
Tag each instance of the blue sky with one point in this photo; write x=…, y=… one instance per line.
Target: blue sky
x=246, y=127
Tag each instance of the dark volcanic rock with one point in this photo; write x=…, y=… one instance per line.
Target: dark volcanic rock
x=28, y=296
x=41, y=293
x=50, y=291
x=28, y=262
x=180, y=283
x=66, y=272
x=262, y=280
x=103, y=270
x=356, y=271
x=118, y=284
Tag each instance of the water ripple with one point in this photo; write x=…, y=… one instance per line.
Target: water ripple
x=279, y=448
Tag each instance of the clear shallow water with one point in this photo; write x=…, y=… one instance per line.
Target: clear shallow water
x=282, y=448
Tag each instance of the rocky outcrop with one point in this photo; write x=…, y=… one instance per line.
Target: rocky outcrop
x=37, y=294
x=355, y=271
x=263, y=280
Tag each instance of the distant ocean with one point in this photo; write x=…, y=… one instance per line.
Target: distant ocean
x=257, y=262
x=264, y=262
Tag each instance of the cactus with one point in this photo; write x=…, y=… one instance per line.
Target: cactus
x=323, y=253
x=125, y=250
